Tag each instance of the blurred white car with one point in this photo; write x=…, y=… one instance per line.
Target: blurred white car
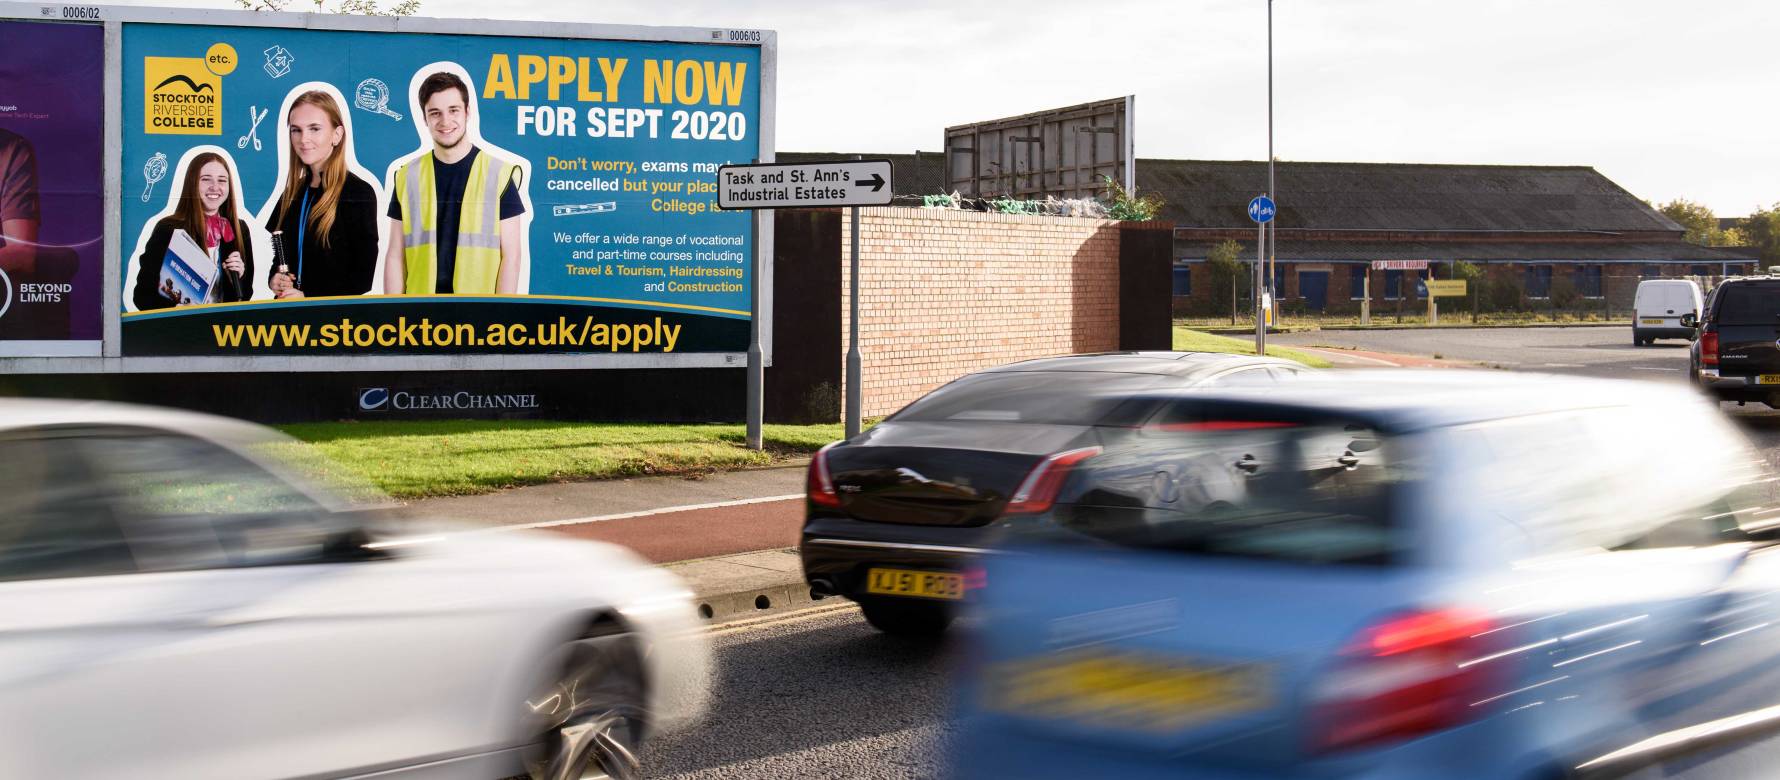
x=179, y=600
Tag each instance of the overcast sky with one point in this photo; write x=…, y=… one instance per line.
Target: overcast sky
x=1669, y=99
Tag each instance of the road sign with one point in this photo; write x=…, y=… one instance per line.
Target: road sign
x=1399, y=265
x=1446, y=288
x=804, y=185
x=1261, y=209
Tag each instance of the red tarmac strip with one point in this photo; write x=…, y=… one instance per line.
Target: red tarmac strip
x=699, y=533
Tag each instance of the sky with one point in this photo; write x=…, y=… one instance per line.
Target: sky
x=1668, y=99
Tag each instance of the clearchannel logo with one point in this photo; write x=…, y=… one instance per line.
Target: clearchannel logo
x=383, y=399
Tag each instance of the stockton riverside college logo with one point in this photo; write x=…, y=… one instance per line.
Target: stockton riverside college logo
x=183, y=95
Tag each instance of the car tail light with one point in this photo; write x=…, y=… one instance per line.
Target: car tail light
x=1040, y=488
x=1709, y=348
x=975, y=578
x=1409, y=675
x=817, y=485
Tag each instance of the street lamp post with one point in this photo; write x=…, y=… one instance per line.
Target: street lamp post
x=1272, y=226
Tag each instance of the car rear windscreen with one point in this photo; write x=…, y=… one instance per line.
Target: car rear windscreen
x=1319, y=494
x=1042, y=397
x=1749, y=304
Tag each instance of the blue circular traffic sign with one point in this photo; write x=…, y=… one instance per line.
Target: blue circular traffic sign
x=1261, y=209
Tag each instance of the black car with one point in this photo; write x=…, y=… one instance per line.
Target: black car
x=1737, y=354
x=895, y=515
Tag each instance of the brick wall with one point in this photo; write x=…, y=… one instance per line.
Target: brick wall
x=944, y=293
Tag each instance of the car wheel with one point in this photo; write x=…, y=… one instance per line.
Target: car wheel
x=590, y=719
x=907, y=618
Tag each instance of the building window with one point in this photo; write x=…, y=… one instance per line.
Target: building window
x=1416, y=288
x=1588, y=281
x=1651, y=272
x=1393, y=285
x=1699, y=270
x=1183, y=281
x=1538, y=281
x=1356, y=282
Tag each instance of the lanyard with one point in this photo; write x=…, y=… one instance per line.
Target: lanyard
x=302, y=227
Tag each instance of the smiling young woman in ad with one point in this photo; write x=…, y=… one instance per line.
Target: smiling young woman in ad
x=325, y=225
x=204, y=208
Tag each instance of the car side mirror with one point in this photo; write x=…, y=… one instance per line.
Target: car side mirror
x=1690, y=320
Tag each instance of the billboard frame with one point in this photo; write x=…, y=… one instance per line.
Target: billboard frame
x=1025, y=145
x=113, y=18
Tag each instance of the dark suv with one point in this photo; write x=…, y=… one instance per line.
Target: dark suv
x=1737, y=355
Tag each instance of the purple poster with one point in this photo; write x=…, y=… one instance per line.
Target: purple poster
x=51, y=196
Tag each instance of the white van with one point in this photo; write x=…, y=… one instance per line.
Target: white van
x=1658, y=307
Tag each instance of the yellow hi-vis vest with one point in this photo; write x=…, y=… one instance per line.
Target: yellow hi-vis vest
x=478, y=264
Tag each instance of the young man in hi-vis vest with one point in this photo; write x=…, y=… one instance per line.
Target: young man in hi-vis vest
x=457, y=209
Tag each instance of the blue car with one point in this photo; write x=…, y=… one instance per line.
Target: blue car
x=1383, y=575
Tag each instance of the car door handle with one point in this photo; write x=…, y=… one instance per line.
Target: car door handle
x=1248, y=464
x=1348, y=461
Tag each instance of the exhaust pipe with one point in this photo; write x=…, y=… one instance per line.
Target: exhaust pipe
x=821, y=588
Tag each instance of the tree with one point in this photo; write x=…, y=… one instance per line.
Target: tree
x=1225, y=270
x=1761, y=229
x=1701, y=223
x=363, y=7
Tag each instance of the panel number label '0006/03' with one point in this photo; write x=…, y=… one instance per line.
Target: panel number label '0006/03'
x=743, y=36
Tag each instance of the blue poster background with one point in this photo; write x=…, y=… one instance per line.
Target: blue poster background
x=647, y=218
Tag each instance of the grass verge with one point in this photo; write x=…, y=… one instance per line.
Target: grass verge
x=425, y=458
x=1194, y=341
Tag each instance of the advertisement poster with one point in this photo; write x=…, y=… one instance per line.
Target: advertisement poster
x=338, y=193
x=52, y=206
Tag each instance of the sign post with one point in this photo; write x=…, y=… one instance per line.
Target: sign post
x=1261, y=210
x=851, y=183
x=1392, y=265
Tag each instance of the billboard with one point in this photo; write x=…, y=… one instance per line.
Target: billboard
x=51, y=188
x=232, y=190
x=309, y=192
x=1061, y=153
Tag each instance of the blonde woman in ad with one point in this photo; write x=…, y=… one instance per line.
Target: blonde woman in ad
x=326, y=220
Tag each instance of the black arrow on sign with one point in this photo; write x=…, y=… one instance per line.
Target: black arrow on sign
x=876, y=181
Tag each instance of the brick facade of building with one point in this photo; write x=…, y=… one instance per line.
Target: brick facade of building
x=945, y=293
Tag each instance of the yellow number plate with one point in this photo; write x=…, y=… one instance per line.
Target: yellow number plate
x=920, y=584
x=1652, y=321
x=1768, y=379
x=1126, y=690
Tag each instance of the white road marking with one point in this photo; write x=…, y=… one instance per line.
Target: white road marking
x=1563, y=365
x=647, y=512
x=795, y=616
x=430, y=538
x=1653, y=368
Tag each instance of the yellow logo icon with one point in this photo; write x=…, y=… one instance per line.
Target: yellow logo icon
x=182, y=96
x=220, y=59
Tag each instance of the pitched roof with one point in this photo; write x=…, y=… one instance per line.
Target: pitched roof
x=1391, y=196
